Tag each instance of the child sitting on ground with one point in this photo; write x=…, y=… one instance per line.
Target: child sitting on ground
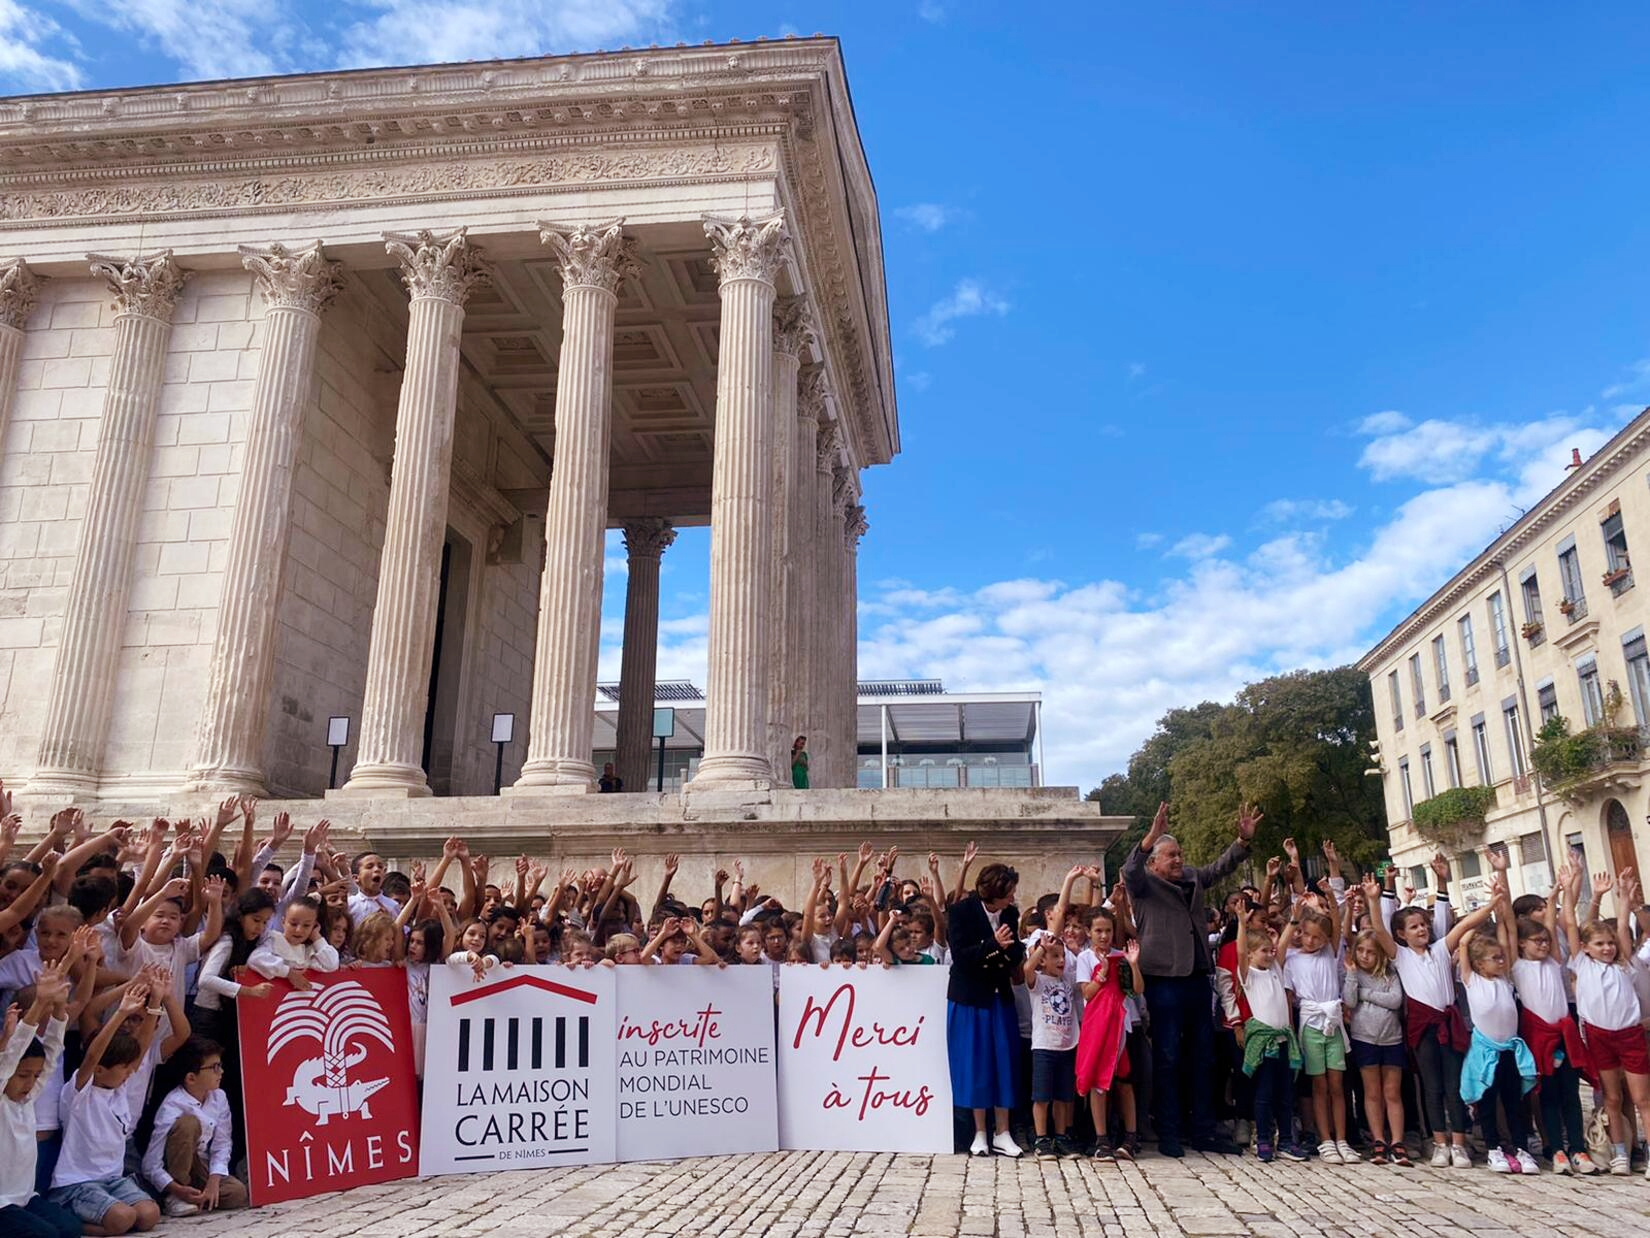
x=188, y=1156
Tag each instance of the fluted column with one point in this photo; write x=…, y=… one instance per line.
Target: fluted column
x=843, y=753
x=19, y=288
x=822, y=643
x=440, y=271
x=646, y=542
x=594, y=261
x=792, y=328
x=854, y=528
x=800, y=581
x=748, y=256
x=296, y=287
x=77, y=712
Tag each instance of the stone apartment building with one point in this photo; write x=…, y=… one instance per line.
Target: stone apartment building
x=1547, y=622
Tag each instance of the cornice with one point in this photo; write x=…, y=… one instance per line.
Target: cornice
x=1559, y=504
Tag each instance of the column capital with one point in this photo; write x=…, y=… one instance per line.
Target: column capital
x=592, y=255
x=440, y=265
x=147, y=287
x=744, y=248
x=811, y=390
x=294, y=279
x=649, y=537
x=827, y=446
x=19, y=289
x=856, y=526
x=842, y=489
x=793, y=326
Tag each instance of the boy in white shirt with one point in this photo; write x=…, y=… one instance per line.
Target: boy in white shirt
x=160, y=921
x=28, y=1065
x=188, y=1156
x=90, y=1180
x=1051, y=984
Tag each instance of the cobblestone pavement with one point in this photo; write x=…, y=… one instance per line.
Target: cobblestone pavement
x=835, y=1195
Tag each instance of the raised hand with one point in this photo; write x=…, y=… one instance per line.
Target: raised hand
x=1004, y=936
x=971, y=852
x=212, y=890
x=280, y=830
x=1330, y=854
x=1249, y=816
x=1274, y=866
x=228, y=810
x=536, y=873
x=10, y=824
x=51, y=986
x=866, y=851
x=672, y=863
x=451, y=848
x=1500, y=861
x=1372, y=891
x=5, y=801
x=521, y=866
x=1292, y=851
x=1603, y=883
x=418, y=873
x=249, y=809
x=721, y=878
x=137, y=993
x=1440, y=868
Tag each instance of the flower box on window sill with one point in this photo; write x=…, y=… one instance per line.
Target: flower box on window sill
x=1567, y=608
x=1611, y=579
x=1530, y=631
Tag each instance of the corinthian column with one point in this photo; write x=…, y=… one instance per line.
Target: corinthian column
x=822, y=644
x=854, y=528
x=296, y=287
x=594, y=261
x=844, y=750
x=804, y=570
x=19, y=287
x=82, y=688
x=747, y=256
x=440, y=272
x=791, y=330
x=646, y=541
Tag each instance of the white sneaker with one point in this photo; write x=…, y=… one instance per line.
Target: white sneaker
x=1527, y=1164
x=1003, y=1145
x=1440, y=1156
x=1619, y=1166
x=1460, y=1158
x=1328, y=1153
x=1349, y=1154
x=981, y=1145
x=175, y=1207
x=1498, y=1162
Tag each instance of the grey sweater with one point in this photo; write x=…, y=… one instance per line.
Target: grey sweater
x=1374, y=1006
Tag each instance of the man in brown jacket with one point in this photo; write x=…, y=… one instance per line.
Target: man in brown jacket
x=1167, y=898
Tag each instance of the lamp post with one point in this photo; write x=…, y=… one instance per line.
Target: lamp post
x=504, y=730
x=337, y=737
x=664, y=726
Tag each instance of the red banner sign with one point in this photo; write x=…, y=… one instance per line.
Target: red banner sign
x=327, y=1077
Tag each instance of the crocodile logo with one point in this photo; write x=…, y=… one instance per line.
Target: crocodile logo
x=340, y=1018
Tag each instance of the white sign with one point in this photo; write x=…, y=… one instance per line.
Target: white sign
x=862, y=1059
x=695, y=1062
x=519, y=1069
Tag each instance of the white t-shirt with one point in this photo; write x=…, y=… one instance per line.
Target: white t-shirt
x=96, y=1127
x=17, y=1141
x=1316, y=979
x=1054, y=1008
x=1429, y=976
x=1540, y=986
x=1268, y=1001
x=1605, y=996
x=363, y=905
x=1491, y=1004
x=176, y=956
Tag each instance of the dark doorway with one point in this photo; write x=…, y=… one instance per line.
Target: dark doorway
x=447, y=664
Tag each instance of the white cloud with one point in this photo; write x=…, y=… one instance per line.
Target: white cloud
x=927, y=216
x=1145, y=541
x=920, y=381
x=1137, y=369
x=931, y=11
x=1638, y=379
x=1439, y=452
x=24, y=62
x=1199, y=546
x=440, y=31
x=1384, y=423
x=213, y=38
x=969, y=299
x=1282, y=511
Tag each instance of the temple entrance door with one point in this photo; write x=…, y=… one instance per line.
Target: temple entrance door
x=447, y=663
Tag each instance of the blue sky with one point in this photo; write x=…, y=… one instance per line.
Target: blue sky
x=1223, y=333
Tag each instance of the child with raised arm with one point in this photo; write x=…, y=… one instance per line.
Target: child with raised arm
x=1271, y=1053
x=1312, y=968
x=1373, y=997
x=298, y=946
x=90, y=1179
x=188, y=1155
x=1547, y=1026
x=1423, y=949
x=1609, y=1010
x=29, y=1066
x=1104, y=976
x=1499, y=1067
x=1051, y=982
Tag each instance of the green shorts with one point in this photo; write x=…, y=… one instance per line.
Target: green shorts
x=1320, y=1053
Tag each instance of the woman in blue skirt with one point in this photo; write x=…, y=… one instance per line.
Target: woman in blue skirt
x=983, y=1032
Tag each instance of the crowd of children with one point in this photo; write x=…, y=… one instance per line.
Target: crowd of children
x=123, y=953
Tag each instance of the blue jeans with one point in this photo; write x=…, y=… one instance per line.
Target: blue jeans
x=1275, y=1098
x=1183, y=1051
x=38, y=1220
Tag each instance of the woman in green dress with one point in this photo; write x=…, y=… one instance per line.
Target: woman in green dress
x=799, y=763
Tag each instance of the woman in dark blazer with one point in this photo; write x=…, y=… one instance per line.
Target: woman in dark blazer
x=982, y=1031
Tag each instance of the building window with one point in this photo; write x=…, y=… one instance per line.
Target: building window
x=1440, y=663
x=1546, y=699
x=1498, y=627
x=1452, y=759
x=1409, y=791
x=1428, y=784
x=1416, y=686
x=1592, y=692
x=1397, y=701
x=1469, y=652
x=1620, y=573
x=1574, y=604
x=1471, y=866
x=1531, y=588
x=1481, y=750
x=1515, y=739
x=1532, y=859
x=1638, y=676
